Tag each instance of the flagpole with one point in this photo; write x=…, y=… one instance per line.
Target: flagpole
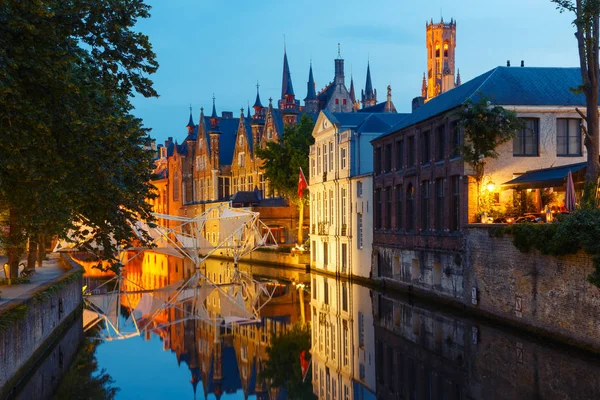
x=301, y=213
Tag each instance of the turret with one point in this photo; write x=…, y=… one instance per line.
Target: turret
x=311, y=103
x=369, y=96
x=441, y=45
x=288, y=105
x=190, y=126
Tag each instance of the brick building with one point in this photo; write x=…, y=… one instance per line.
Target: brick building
x=424, y=192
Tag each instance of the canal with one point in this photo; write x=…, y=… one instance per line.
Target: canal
x=365, y=344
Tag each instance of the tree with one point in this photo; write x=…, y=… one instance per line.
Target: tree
x=71, y=151
x=587, y=32
x=283, y=160
x=282, y=369
x=485, y=127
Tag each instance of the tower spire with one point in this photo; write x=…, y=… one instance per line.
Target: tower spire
x=191, y=121
x=352, y=94
x=424, y=87
x=286, y=83
x=369, y=96
x=257, y=102
x=310, y=85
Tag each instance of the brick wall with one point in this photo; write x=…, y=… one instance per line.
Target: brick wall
x=545, y=292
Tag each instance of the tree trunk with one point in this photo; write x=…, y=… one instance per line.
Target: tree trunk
x=32, y=252
x=41, y=256
x=592, y=142
x=14, y=237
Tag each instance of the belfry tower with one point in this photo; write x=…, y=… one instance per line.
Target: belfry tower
x=441, y=45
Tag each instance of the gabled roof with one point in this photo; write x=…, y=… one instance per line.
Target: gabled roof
x=377, y=108
x=227, y=134
x=508, y=86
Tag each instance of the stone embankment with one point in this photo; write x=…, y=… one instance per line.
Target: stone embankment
x=34, y=315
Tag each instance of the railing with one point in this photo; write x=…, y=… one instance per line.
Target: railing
x=323, y=227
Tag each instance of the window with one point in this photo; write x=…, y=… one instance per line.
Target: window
x=439, y=204
x=445, y=49
x=176, y=187
x=387, y=157
x=325, y=157
x=440, y=145
x=425, y=148
x=359, y=230
x=343, y=207
x=325, y=206
x=411, y=151
x=455, y=202
x=437, y=50
x=359, y=188
x=331, y=206
x=378, y=209
x=456, y=140
x=343, y=157
x=337, y=101
x=344, y=101
x=331, y=156
x=345, y=341
x=325, y=258
x=527, y=139
x=399, y=155
x=250, y=182
x=325, y=288
x=318, y=159
x=344, y=297
x=241, y=140
x=344, y=257
x=568, y=139
x=361, y=329
x=241, y=159
x=313, y=247
x=425, y=206
x=313, y=167
x=410, y=208
x=388, y=208
x=377, y=161
x=399, y=210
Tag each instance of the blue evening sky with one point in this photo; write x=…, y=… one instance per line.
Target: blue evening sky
x=225, y=47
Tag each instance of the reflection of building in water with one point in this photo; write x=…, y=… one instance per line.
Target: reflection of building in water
x=342, y=340
x=220, y=360
x=423, y=354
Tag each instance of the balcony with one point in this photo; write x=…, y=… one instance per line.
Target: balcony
x=323, y=228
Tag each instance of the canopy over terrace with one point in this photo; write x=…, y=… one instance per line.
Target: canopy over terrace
x=554, y=177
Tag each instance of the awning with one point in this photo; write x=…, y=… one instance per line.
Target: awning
x=545, y=178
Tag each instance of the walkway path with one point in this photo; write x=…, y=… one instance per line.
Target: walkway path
x=49, y=270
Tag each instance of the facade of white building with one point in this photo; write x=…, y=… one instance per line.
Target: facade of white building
x=343, y=340
x=341, y=165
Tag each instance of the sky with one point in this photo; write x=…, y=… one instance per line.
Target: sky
x=223, y=47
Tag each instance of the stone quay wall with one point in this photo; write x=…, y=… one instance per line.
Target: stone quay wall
x=543, y=292
x=490, y=277
x=29, y=327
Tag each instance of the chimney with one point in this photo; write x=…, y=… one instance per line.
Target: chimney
x=508, y=63
x=522, y=63
x=417, y=102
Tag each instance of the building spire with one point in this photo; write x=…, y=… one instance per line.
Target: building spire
x=214, y=110
x=424, y=87
x=257, y=102
x=458, y=82
x=339, y=51
x=310, y=86
x=248, y=114
x=191, y=121
x=369, y=96
x=368, y=85
x=352, y=94
x=286, y=83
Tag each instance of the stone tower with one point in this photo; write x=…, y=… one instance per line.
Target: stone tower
x=441, y=45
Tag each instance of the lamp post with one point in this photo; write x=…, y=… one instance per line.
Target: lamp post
x=7, y=272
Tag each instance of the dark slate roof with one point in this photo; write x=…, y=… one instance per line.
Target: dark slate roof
x=326, y=94
x=193, y=135
x=191, y=121
x=286, y=83
x=182, y=148
x=368, y=85
x=510, y=86
x=310, y=89
x=278, y=121
x=249, y=137
x=170, y=149
x=257, y=102
x=541, y=178
x=227, y=134
x=380, y=122
x=349, y=120
x=245, y=197
x=377, y=108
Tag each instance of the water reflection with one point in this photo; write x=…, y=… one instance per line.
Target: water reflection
x=364, y=345
x=426, y=354
x=221, y=361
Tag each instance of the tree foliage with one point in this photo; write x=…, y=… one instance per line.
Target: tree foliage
x=71, y=150
x=84, y=381
x=587, y=33
x=283, y=159
x=282, y=369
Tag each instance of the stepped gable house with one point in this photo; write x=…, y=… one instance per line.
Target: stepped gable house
x=216, y=161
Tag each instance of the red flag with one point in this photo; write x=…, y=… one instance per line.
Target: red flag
x=304, y=363
x=302, y=184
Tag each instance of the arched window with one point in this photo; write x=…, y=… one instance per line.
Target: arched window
x=410, y=208
x=445, y=49
x=437, y=49
x=176, y=186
